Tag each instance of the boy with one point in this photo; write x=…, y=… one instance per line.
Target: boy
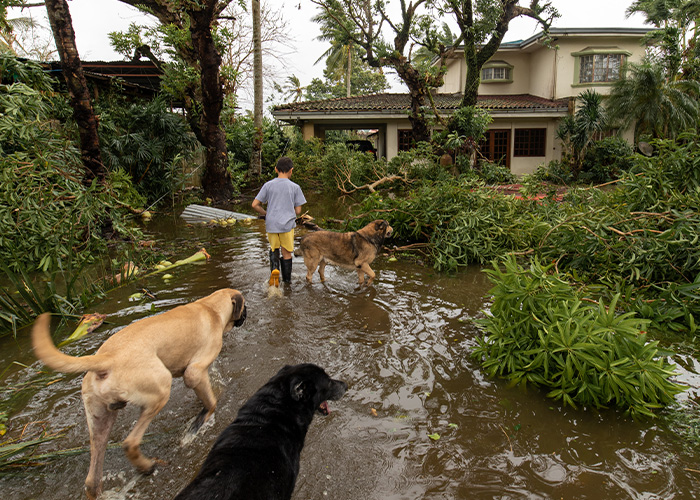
x=284, y=200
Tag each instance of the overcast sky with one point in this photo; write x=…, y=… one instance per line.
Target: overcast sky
x=94, y=19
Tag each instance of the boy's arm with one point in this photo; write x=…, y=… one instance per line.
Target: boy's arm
x=257, y=206
x=298, y=210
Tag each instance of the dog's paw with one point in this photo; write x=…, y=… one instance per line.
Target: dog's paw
x=147, y=471
x=199, y=420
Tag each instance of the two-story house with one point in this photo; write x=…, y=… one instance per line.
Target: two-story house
x=527, y=87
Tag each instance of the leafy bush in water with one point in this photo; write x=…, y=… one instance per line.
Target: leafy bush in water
x=461, y=222
x=541, y=332
x=148, y=142
x=47, y=216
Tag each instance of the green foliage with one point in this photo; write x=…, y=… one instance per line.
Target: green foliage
x=47, y=216
x=579, y=131
x=684, y=420
x=652, y=103
x=606, y=160
x=148, y=142
x=48, y=219
x=494, y=173
x=363, y=81
x=541, y=332
x=665, y=180
x=239, y=142
x=461, y=222
x=470, y=122
x=13, y=70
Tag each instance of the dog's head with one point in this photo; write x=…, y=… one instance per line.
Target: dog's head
x=239, y=312
x=310, y=385
x=382, y=227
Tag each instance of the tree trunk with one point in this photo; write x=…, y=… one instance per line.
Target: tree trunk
x=216, y=180
x=471, y=84
x=348, y=73
x=256, y=157
x=83, y=113
x=417, y=90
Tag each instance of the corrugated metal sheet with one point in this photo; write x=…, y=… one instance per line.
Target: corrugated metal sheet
x=201, y=213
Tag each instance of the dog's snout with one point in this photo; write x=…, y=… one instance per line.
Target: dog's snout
x=240, y=320
x=339, y=389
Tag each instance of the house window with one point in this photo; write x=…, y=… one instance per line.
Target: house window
x=495, y=74
x=405, y=139
x=494, y=147
x=600, y=68
x=529, y=142
x=496, y=71
x=611, y=132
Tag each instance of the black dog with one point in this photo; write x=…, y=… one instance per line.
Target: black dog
x=257, y=456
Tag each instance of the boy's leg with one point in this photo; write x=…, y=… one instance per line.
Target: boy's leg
x=287, y=247
x=274, y=259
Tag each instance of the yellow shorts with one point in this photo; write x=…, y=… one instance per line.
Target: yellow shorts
x=285, y=240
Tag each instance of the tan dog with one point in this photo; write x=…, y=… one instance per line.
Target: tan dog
x=354, y=250
x=136, y=365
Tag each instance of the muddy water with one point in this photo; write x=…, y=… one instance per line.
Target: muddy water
x=403, y=345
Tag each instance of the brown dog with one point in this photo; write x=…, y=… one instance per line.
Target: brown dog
x=136, y=365
x=354, y=250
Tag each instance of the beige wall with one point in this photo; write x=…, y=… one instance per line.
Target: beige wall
x=454, y=78
x=520, y=73
x=566, y=63
x=544, y=72
x=520, y=165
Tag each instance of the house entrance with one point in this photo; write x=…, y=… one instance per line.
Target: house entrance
x=495, y=146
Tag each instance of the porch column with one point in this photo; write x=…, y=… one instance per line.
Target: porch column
x=307, y=131
x=392, y=140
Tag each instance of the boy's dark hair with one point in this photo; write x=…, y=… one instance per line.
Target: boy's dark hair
x=284, y=164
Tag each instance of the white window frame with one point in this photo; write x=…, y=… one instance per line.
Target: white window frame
x=599, y=66
x=497, y=72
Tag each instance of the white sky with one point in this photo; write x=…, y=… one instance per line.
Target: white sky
x=94, y=19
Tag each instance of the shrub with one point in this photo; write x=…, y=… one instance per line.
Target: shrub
x=493, y=173
x=606, y=160
x=541, y=332
x=461, y=223
x=148, y=142
x=239, y=142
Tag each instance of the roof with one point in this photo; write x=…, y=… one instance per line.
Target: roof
x=557, y=32
x=401, y=103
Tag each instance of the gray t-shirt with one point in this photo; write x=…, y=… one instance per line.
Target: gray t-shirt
x=282, y=196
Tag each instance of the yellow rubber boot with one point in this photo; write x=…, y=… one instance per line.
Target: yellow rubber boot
x=275, y=278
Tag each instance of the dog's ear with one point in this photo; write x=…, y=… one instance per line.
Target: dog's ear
x=239, y=310
x=380, y=225
x=301, y=389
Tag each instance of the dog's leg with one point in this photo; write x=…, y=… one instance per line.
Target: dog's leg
x=100, y=420
x=322, y=269
x=151, y=398
x=196, y=377
x=311, y=264
x=365, y=269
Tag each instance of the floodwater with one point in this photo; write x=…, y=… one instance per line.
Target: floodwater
x=403, y=346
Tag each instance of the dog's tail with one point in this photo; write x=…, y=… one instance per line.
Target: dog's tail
x=46, y=351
